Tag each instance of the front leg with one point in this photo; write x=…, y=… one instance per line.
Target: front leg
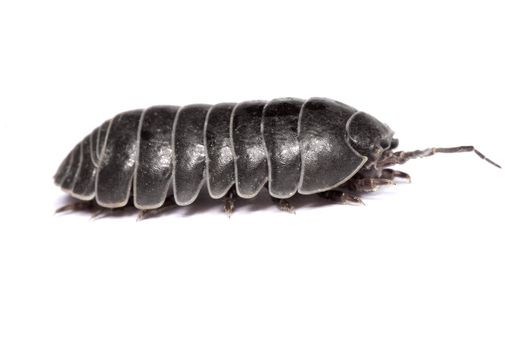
x=368, y=184
x=340, y=197
x=391, y=174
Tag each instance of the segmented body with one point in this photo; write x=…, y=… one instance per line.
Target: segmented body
x=290, y=145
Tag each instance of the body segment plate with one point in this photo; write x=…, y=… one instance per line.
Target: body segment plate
x=154, y=170
x=220, y=168
x=189, y=152
x=328, y=160
x=280, y=122
x=117, y=160
x=84, y=187
x=69, y=178
x=251, y=167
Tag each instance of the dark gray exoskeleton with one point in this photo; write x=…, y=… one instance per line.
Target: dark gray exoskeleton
x=289, y=145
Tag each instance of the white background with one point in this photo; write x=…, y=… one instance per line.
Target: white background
x=437, y=264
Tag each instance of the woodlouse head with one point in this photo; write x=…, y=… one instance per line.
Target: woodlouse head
x=369, y=136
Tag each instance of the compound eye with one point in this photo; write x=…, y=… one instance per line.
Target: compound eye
x=385, y=144
x=394, y=144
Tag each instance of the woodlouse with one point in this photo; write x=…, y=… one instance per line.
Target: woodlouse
x=314, y=146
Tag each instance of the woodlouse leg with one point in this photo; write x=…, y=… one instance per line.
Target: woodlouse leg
x=391, y=174
x=92, y=207
x=100, y=213
x=77, y=206
x=103, y=212
x=284, y=205
x=341, y=197
x=368, y=184
x=149, y=213
x=229, y=202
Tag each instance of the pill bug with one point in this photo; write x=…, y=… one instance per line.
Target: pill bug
x=165, y=155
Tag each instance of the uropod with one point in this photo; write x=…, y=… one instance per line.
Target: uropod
x=163, y=156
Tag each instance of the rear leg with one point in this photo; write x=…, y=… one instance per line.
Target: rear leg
x=341, y=197
x=103, y=212
x=150, y=213
x=284, y=205
x=229, y=202
x=92, y=207
x=87, y=206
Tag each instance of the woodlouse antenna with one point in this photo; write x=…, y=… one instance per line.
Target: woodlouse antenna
x=402, y=157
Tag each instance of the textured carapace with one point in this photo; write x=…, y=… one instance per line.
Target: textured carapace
x=289, y=145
